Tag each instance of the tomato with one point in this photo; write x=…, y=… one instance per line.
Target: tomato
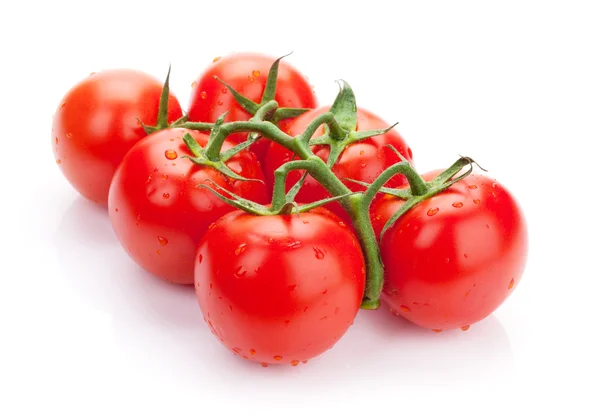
x=363, y=160
x=96, y=124
x=158, y=212
x=247, y=74
x=454, y=258
x=279, y=289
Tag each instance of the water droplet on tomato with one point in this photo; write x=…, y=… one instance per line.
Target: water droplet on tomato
x=162, y=240
x=432, y=211
x=170, y=154
x=212, y=225
x=56, y=140
x=238, y=273
x=63, y=104
x=236, y=350
x=203, y=95
x=466, y=255
x=304, y=361
x=264, y=364
x=363, y=165
x=342, y=224
x=324, y=291
x=294, y=363
x=164, y=176
x=294, y=244
x=210, y=287
x=250, y=78
x=495, y=185
x=215, y=59
x=476, y=201
x=319, y=253
x=286, y=322
x=447, y=260
x=230, y=308
x=457, y=204
x=362, y=151
x=240, y=249
x=487, y=226
x=59, y=162
x=252, y=352
x=324, y=318
x=305, y=222
x=465, y=328
x=271, y=240
x=158, y=252
x=292, y=287
x=437, y=330
x=256, y=73
x=69, y=135
x=166, y=195
x=404, y=308
x=305, y=308
x=473, y=186
x=220, y=103
x=512, y=283
x=194, y=84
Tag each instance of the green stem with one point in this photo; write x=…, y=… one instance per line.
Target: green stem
x=418, y=186
x=335, y=129
x=197, y=126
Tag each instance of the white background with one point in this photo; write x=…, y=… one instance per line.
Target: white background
x=516, y=84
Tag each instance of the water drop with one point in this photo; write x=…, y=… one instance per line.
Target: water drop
x=155, y=169
x=170, y=154
x=252, y=352
x=238, y=273
x=250, y=78
x=172, y=139
x=236, y=350
x=487, y=226
x=203, y=95
x=404, y=308
x=294, y=244
x=465, y=328
x=342, y=224
x=363, y=165
x=512, y=283
x=447, y=260
x=212, y=225
x=437, y=330
x=457, y=204
x=158, y=252
x=63, y=104
x=304, y=361
x=162, y=240
x=292, y=287
x=286, y=322
x=324, y=291
x=58, y=161
x=271, y=240
x=220, y=103
x=294, y=363
x=305, y=308
x=495, y=185
x=473, y=186
x=116, y=209
x=324, y=318
x=264, y=364
x=164, y=176
x=69, y=135
x=215, y=59
x=319, y=253
x=56, y=140
x=476, y=201
x=362, y=152
x=305, y=222
x=240, y=249
x=432, y=211
x=466, y=255
x=256, y=73
x=194, y=84
x=166, y=195
x=230, y=308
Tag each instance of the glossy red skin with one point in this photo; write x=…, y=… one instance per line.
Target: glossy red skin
x=364, y=160
x=279, y=289
x=210, y=99
x=452, y=268
x=96, y=124
x=141, y=212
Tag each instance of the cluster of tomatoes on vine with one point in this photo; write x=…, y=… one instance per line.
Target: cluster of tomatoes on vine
x=285, y=216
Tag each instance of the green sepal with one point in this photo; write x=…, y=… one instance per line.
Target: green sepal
x=288, y=113
x=163, y=106
x=271, y=85
x=237, y=201
x=193, y=145
x=344, y=107
x=247, y=104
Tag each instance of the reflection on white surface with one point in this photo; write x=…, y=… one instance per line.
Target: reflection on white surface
x=158, y=329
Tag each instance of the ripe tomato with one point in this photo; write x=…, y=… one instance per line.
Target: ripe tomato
x=247, y=74
x=96, y=124
x=279, y=289
x=158, y=212
x=362, y=161
x=453, y=259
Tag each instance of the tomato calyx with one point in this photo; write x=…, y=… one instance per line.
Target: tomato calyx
x=419, y=190
x=162, y=121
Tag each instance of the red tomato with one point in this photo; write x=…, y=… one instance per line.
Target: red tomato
x=247, y=74
x=453, y=259
x=279, y=289
x=158, y=212
x=363, y=160
x=96, y=124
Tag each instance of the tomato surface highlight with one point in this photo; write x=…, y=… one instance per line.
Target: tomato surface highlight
x=279, y=289
x=158, y=211
x=96, y=123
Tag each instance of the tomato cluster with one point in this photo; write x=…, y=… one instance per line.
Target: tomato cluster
x=330, y=216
